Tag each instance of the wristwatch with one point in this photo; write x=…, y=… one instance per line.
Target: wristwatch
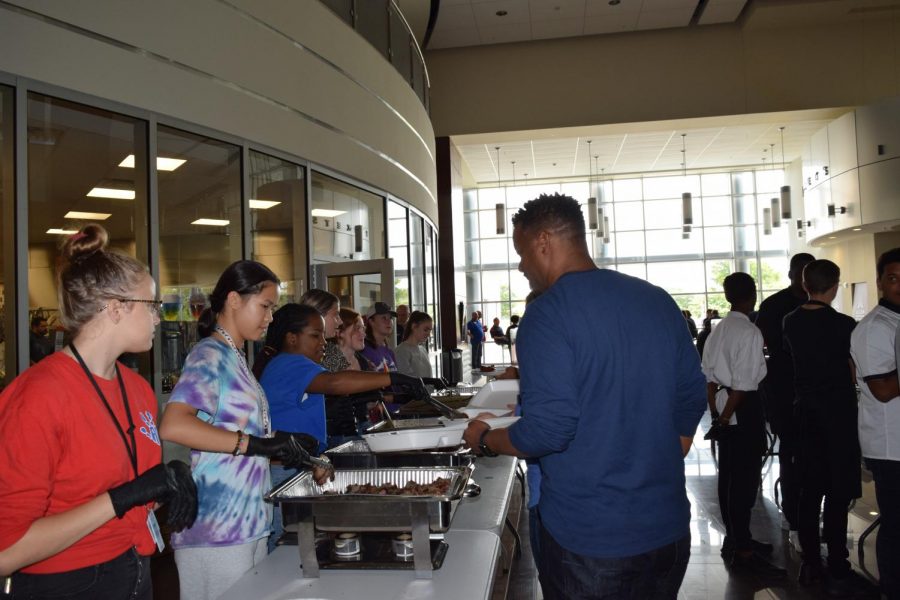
x=483, y=447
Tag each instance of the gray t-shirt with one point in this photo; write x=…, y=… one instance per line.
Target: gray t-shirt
x=412, y=360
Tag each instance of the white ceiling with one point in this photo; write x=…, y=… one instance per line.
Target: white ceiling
x=477, y=22
x=714, y=142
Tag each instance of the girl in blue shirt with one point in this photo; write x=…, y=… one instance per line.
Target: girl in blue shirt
x=295, y=383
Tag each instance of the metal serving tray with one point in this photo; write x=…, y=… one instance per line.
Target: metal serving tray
x=404, y=424
x=356, y=454
x=371, y=512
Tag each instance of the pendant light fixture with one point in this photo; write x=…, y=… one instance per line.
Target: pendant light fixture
x=501, y=206
x=776, y=209
x=767, y=221
x=592, y=198
x=687, y=202
x=601, y=219
x=785, y=189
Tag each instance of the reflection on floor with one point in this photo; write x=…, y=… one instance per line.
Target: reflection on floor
x=707, y=576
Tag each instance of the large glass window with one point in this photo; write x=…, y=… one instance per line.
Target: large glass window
x=84, y=165
x=644, y=237
x=347, y=222
x=398, y=235
x=199, y=233
x=7, y=250
x=278, y=220
x=417, y=263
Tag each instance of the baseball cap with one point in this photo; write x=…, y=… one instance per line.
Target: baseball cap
x=380, y=308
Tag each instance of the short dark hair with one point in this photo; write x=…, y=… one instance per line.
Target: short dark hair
x=35, y=321
x=819, y=276
x=798, y=261
x=290, y=318
x=891, y=256
x=556, y=212
x=739, y=287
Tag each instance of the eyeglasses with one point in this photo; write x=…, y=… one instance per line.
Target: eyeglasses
x=154, y=306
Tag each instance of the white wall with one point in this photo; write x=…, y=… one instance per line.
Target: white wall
x=247, y=68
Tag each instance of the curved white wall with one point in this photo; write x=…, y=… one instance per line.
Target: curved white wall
x=288, y=75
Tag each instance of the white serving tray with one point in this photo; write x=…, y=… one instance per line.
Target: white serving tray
x=419, y=439
x=499, y=393
x=473, y=412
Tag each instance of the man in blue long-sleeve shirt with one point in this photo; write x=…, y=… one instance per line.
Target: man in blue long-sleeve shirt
x=611, y=398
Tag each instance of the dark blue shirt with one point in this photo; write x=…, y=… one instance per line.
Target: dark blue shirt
x=476, y=330
x=285, y=380
x=609, y=381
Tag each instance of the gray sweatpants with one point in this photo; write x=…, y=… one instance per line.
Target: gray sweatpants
x=206, y=573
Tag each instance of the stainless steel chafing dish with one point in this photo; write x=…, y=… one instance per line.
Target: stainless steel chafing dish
x=341, y=512
x=356, y=454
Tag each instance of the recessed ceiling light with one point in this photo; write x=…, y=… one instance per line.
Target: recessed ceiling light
x=263, y=204
x=326, y=212
x=213, y=222
x=62, y=231
x=74, y=214
x=614, y=2
x=116, y=194
x=857, y=229
x=501, y=13
x=162, y=163
x=873, y=513
x=832, y=237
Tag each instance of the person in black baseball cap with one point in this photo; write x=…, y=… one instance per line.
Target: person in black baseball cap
x=380, y=308
x=379, y=325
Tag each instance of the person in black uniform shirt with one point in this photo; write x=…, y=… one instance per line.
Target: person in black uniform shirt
x=817, y=339
x=778, y=386
x=40, y=345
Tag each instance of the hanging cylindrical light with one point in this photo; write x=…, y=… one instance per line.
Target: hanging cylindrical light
x=776, y=213
x=601, y=223
x=785, y=189
x=605, y=230
x=592, y=199
x=687, y=201
x=501, y=206
x=767, y=221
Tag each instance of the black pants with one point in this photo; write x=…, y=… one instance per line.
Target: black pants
x=126, y=577
x=740, y=467
x=779, y=401
x=887, y=546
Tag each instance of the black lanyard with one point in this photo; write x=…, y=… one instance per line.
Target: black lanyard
x=131, y=450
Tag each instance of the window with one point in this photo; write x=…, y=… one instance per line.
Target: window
x=278, y=220
x=360, y=214
x=397, y=250
x=7, y=199
x=84, y=165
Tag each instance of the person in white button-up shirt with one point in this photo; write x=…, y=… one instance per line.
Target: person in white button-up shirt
x=873, y=347
x=734, y=366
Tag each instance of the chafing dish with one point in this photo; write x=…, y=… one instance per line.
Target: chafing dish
x=356, y=454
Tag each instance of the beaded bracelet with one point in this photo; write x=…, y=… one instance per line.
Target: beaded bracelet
x=237, y=446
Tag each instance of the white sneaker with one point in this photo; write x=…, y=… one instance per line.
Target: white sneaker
x=794, y=540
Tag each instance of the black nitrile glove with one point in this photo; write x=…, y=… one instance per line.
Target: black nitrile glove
x=289, y=448
x=718, y=432
x=412, y=386
x=171, y=484
x=439, y=383
x=182, y=500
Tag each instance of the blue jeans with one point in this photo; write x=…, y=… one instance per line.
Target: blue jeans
x=654, y=575
x=125, y=577
x=279, y=475
x=475, y=347
x=534, y=536
x=886, y=474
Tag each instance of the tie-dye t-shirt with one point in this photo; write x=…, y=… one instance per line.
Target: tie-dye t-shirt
x=230, y=488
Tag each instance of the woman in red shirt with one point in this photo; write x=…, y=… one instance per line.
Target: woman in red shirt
x=81, y=455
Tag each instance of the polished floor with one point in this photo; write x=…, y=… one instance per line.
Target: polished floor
x=707, y=576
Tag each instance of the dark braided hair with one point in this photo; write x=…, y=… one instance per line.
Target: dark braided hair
x=556, y=212
x=290, y=318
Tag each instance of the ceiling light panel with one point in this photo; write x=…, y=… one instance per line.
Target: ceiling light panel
x=211, y=222
x=263, y=204
x=162, y=163
x=88, y=216
x=115, y=194
x=62, y=231
x=326, y=212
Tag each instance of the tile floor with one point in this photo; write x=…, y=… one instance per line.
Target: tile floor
x=707, y=577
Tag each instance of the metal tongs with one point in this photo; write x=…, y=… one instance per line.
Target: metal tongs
x=450, y=413
x=322, y=462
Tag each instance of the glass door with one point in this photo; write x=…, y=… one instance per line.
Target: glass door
x=358, y=284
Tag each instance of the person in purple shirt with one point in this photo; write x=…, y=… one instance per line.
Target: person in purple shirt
x=379, y=325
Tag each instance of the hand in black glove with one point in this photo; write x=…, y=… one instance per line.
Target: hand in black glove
x=182, y=500
x=289, y=448
x=439, y=383
x=718, y=432
x=171, y=484
x=412, y=386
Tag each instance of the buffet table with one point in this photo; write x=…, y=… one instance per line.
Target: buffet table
x=474, y=540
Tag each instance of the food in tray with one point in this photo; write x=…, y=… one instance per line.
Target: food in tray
x=438, y=487
x=487, y=368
